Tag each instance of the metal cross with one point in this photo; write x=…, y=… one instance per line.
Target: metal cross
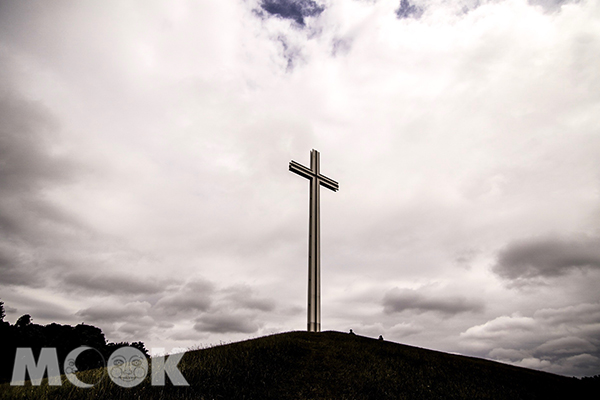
x=314, y=235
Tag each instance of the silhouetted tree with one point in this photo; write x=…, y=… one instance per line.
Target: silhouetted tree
x=110, y=347
x=23, y=321
x=591, y=383
x=64, y=338
x=2, y=313
x=141, y=347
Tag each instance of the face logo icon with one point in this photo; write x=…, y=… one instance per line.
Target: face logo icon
x=127, y=367
x=70, y=367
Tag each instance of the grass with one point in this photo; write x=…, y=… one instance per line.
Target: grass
x=327, y=365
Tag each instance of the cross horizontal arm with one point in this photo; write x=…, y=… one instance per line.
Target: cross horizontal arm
x=301, y=170
x=328, y=183
x=309, y=174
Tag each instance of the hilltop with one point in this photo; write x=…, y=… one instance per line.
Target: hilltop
x=331, y=365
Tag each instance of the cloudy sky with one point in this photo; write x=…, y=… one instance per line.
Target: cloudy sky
x=144, y=183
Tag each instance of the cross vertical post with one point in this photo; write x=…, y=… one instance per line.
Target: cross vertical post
x=314, y=235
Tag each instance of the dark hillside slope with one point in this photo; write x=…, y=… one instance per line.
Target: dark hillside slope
x=329, y=365
x=341, y=366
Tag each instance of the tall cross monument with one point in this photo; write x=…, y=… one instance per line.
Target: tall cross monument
x=314, y=235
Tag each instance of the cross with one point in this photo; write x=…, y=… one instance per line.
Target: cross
x=314, y=235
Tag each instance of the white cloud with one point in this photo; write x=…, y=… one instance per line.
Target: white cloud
x=398, y=300
x=501, y=327
x=114, y=312
x=548, y=257
x=567, y=345
x=563, y=340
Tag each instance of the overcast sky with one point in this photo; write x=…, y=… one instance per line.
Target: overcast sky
x=144, y=183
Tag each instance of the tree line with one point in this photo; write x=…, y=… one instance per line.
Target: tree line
x=24, y=333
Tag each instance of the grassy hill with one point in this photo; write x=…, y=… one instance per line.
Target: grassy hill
x=328, y=365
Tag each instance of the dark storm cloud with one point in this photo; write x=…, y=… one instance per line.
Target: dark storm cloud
x=566, y=345
x=547, y=257
x=226, y=323
x=10, y=310
x=549, y=5
x=407, y=10
x=201, y=295
x=561, y=340
x=39, y=309
x=193, y=296
x=52, y=313
x=243, y=297
x=295, y=10
x=27, y=132
x=137, y=327
x=185, y=303
x=28, y=164
x=13, y=273
x=117, y=284
x=587, y=313
x=114, y=313
x=398, y=300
